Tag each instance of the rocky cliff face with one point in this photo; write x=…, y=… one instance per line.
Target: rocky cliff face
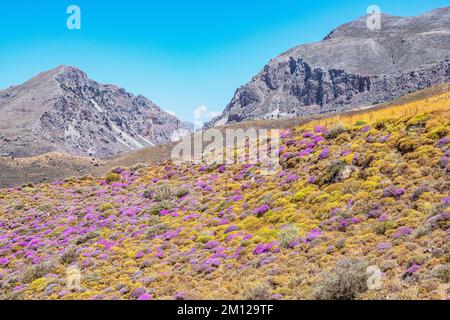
x=63, y=110
x=352, y=67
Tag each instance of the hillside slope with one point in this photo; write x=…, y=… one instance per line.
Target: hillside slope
x=62, y=110
x=352, y=67
x=15, y=172
x=371, y=189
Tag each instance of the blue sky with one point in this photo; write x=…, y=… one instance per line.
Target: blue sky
x=181, y=54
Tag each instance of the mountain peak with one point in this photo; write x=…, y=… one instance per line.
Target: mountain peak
x=63, y=110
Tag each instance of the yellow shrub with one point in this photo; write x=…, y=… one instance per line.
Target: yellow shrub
x=257, y=239
x=39, y=284
x=303, y=193
x=438, y=133
x=106, y=206
x=348, y=158
x=204, y=238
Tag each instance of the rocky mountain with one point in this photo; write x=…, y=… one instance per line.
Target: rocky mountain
x=352, y=67
x=346, y=207
x=63, y=110
x=190, y=126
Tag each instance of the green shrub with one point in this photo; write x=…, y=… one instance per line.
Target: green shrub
x=288, y=235
x=260, y=292
x=45, y=208
x=88, y=236
x=423, y=230
x=406, y=145
x=417, y=121
x=38, y=271
x=335, y=131
x=332, y=172
x=340, y=244
x=113, y=177
x=163, y=192
x=204, y=238
x=153, y=220
x=437, y=209
x=438, y=133
x=344, y=282
x=385, y=124
x=18, y=205
x=157, y=230
x=69, y=257
x=148, y=194
x=138, y=166
x=70, y=179
x=87, y=177
x=382, y=227
x=117, y=170
x=158, y=207
x=442, y=272
x=106, y=206
x=181, y=192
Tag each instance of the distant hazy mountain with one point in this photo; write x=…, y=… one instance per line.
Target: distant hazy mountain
x=352, y=67
x=63, y=110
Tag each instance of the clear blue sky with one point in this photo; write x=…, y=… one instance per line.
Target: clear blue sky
x=180, y=53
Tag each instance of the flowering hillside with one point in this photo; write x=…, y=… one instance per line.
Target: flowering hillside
x=370, y=190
